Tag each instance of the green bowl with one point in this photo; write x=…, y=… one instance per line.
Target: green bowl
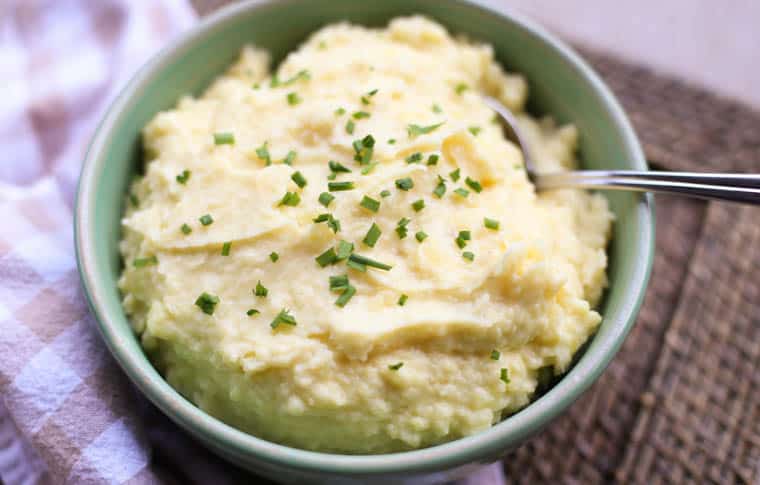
x=560, y=84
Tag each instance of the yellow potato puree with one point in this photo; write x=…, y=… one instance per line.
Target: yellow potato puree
x=240, y=275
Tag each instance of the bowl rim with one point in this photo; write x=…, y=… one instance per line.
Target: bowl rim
x=244, y=446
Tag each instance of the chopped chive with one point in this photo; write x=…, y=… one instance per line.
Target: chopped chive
x=134, y=200
x=326, y=258
x=293, y=99
x=418, y=205
x=432, y=159
x=391, y=141
x=332, y=176
x=370, y=204
x=350, y=127
x=504, y=375
x=322, y=218
x=462, y=192
x=345, y=249
x=339, y=282
x=468, y=256
x=416, y=130
x=473, y=184
x=372, y=235
x=385, y=193
x=357, y=258
x=460, y=242
x=325, y=198
x=369, y=168
x=338, y=167
x=401, y=229
x=260, y=290
x=300, y=75
x=284, y=317
x=333, y=224
x=437, y=109
x=339, y=186
x=405, y=183
x=207, y=302
x=345, y=296
x=290, y=199
x=224, y=138
x=263, y=153
x=466, y=235
x=226, y=248
x=290, y=158
x=492, y=224
x=357, y=266
x=366, y=98
x=252, y=312
x=402, y=300
x=373, y=92
x=414, y=158
x=274, y=256
x=454, y=175
x=299, y=179
x=186, y=229
x=495, y=354
x=340, y=112
x=256, y=86
x=461, y=88
x=360, y=115
x=475, y=130
x=440, y=189
x=142, y=262
x=421, y=236
x=396, y=366
x=206, y=219
x=183, y=177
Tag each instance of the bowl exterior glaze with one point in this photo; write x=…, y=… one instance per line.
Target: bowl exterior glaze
x=560, y=84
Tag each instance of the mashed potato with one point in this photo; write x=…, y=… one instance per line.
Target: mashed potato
x=461, y=284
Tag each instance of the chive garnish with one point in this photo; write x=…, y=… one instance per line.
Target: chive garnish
x=468, y=256
x=504, y=375
x=226, y=248
x=290, y=158
x=322, y=218
x=350, y=127
x=454, y=175
x=440, y=189
x=340, y=112
x=333, y=224
x=339, y=282
x=356, y=266
x=326, y=258
x=473, y=184
x=402, y=300
x=492, y=224
x=405, y=183
x=293, y=99
x=368, y=168
x=466, y=235
x=416, y=130
x=325, y=198
x=274, y=256
x=370, y=204
x=206, y=219
x=186, y=229
x=414, y=158
x=299, y=179
x=345, y=296
x=391, y=141
x=224, y=138
x=339, y=186
x=396, y=366
x=475, y=130
x=358, y=115
x=332, y=176
x=432, y=159
x=372, y=235
x=142, y=262
x=401, y=229
x=338, y=167
x=437, y=109
x=252, y=312
x=183, y=177
x=263, y=153
x=418, y=205
x=345, y=249
x=495, y=354
x=358, y=258
x=284, y=317
x=207, y=302
x=300, y=75
x=461, y=88
x=421, y=236
x=462, y=192
x=385, y=193
x=260, y=290
x=366, y=98
x=290, y=199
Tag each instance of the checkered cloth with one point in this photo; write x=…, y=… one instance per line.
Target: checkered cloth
x=67, y=413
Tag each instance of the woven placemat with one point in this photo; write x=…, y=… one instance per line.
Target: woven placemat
x=680, y=403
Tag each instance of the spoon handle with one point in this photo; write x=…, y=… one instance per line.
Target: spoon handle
x=742, y=188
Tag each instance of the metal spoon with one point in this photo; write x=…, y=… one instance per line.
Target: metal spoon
x=733, y=187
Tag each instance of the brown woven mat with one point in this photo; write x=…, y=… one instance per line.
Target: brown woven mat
x=680, y=403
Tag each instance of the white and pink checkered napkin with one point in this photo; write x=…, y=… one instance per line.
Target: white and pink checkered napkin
x=67, y=413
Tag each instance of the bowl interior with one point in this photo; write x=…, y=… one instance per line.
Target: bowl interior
x=559, y=84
